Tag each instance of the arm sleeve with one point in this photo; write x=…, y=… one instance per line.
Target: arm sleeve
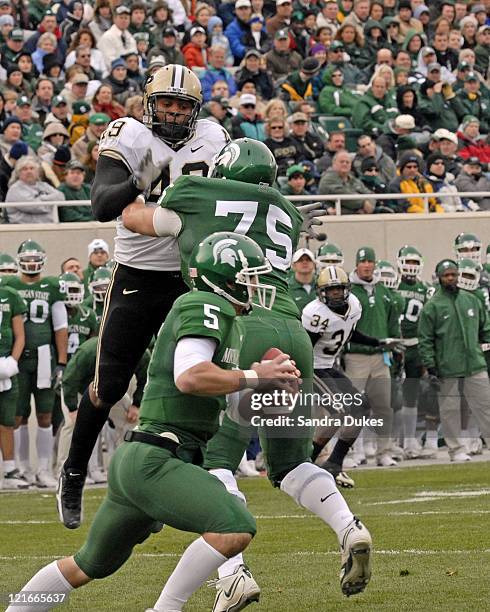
x=112, y=189
x=166, y=222
x=190, y=352
x=59, y=316
x=360, y=338
x=313, y=337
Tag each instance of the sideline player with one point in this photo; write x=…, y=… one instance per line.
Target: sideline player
x=137, y=158
x=155, y=476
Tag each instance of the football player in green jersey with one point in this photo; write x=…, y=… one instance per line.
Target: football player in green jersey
x=82, y=322
x=12, y=340
x=46, y=316
x=98, y=287
x=486, y=264
x=468, y=246
x=8, y=265
x=245, y=202
x=329, y=255
x=414, y=294
x=155, y=476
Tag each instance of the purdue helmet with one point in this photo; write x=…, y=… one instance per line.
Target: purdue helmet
x=229, y=265
x=72, y=289
x=387, y=274
x=100, y=283
x=333, y=277
x=467, y=246
x=31, y=257
x=8, y=265
x=468, y=274
x=246, y=160
x=329, y=255
x=410, y=262
x=172, y=81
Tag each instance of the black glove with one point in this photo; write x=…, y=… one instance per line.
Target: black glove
x=433, y=379
x=57, y=378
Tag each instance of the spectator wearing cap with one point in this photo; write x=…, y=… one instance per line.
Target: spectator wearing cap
x=427, y=65
x=299, y=37
x=302, y=281
x=236, y=29
x=310, y=146
x=217, y=37
x=97, y=123
x=298, y=85
x=336, y=99
x=411, y=180
x=15, y=81
x=48, y=25
x=280, y=61
x=117, y=40
x=251, y=71
x=337, y=57
x=167, y=48
x=472, y=178
x=469, y=26
x=142, y=45
x=445, y=56
x=339, y=180
x=369, y=174
x=122, y=86
x=374, y=109
x=438, y=105
x=77, y=86
x=28, y=187
x=281, y=20
x=98, y=256
x=482, y=49
x=11, y=50
x=470, y=142
x=247, y=123
x=12, y=132
x=59, y=112
x=7, y=165
x=368, y=148
x=102, y=19
x=104, y=102
x=73, y=187
x=32, y=131
x=461, y=71
x=447, y=145
x=79, y=121
x=395, y=129
x=283, y=147
x=296, y=181
x=473, y=103
x=218, y=110
x=194, y=51
x=216, y=71
x=406, y=20
x=7, y=24
x=55, y=134
x=442, y=181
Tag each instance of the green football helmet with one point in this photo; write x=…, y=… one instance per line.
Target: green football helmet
x=468, y=246
x=329, y=255
x=245, y=160
x=99, y=283
x=72, y=289
x=468, y=274
x=229, y=265
x=110, y=263
x=387, y=274
x=8, y=265
x=410, y=261
x=31, y=257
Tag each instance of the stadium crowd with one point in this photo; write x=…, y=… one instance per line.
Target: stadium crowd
x=352, y=97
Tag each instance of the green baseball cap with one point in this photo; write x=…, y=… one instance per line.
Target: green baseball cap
x=23, y=101
x=296, y=169
x=365, y=254
x=81, y=107
x=99, y=119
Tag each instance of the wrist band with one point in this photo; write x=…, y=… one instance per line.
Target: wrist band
x=250, y=378
x=140, y=198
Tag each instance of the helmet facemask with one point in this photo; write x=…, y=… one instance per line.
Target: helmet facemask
x=334, y=303
x=408, y=266
x=74, y=293
x=468, y=277
x=31, y=263
x=473, y=253
x=99, y=289
x=173, y=132
x=388, y=277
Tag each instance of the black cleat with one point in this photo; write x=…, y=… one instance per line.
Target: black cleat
x=69, y=496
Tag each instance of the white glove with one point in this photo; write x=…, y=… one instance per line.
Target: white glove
x=3, y=368
x=148, y=171
x=12, y=366
x=5, y=385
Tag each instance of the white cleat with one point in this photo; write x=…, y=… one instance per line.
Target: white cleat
x=396, y=452
x=13, y=481
x=45, y=480
x=460, y=457
x=355, y=549
x=475, y=446
x=349, y=463
x=97, y=476
x=419, y=453
x=385, y=460
x=247, y=468
x=29, y=476
x=235, y=592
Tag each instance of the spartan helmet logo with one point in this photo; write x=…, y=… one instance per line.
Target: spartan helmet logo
x=229, y=156
x=222, y=252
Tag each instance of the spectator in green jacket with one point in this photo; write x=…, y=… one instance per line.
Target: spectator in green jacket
x=32, y=132
x=296, y=181
x=74, y=188
x=452, y=326
x=482, y=49
x=438, y=105
x=335, y=99
x=302, y=282
x=374, y=109
x=473, y=102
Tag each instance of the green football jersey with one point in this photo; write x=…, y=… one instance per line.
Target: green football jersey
x=96, y=307
x=198, y=314
x=11, y=305
x=260, y=212
x=82, y=323
x=39, y=297
x=415, y=296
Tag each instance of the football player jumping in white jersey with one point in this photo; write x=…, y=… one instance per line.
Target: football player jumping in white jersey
x=137, y=159
x=330, y=321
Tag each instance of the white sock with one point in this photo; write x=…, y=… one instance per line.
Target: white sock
x=229, y=480
x=44, y=444
x=21, y=441
x=8, y=466
x=409, y=417
x=431, y=438
x=315, y=489
x=48, y=579
x=197, y=563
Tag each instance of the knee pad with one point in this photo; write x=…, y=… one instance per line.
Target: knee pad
x=227, y=478
x=299, y=478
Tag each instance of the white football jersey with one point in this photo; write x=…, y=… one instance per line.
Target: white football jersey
x=335, y=329
x=128, y=140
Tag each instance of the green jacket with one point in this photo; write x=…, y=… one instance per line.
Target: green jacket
x=36, y=12
x=380, y=313
x=75, y=213
x=440, y=113
x=299, y=294
x=32, y=134
x=451, y=328
x=482, y=62
x=476, y=105
x=339, y=101
x=370, y=114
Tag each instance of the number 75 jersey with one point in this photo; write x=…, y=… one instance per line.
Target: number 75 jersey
x=335, y=329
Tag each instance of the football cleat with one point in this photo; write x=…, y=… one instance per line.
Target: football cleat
x=419, y=453
x=235, y=592
x=385, y=460
x=13, y=481
x=475, y=446
x=341, y=478
x=69, y=497
x=355, y=549
x=29, y=476
x=396, y=452
x=460, y=457
x=246, y=468
x=97, y=476
x=45, y=480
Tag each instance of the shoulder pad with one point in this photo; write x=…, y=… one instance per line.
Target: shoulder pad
x=124, y=138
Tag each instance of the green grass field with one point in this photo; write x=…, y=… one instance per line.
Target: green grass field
x=430, y=527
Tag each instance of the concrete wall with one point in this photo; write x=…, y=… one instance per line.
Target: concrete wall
x=432, y=234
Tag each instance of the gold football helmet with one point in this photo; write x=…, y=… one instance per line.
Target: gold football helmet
x=333, y=277
x=172, y=81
